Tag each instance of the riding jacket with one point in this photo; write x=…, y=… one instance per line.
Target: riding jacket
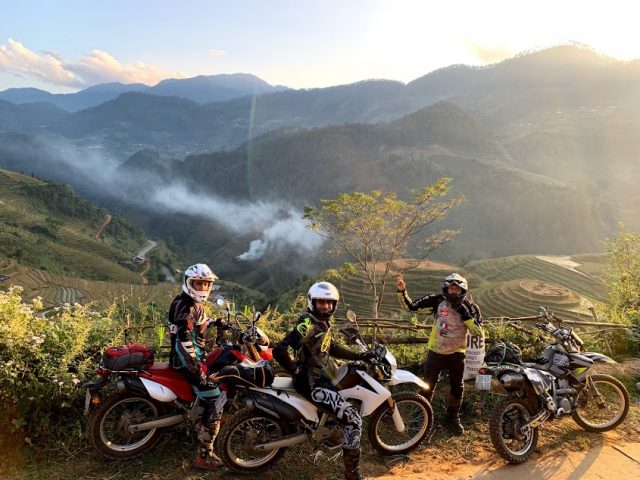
x=187, y=329
x=313, y=347
x=452, y=322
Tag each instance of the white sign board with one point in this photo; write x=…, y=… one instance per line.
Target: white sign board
x=475, y=356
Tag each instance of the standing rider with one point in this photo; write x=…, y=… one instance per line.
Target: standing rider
x=314, y=370
x=447, y=345
x=187, y=328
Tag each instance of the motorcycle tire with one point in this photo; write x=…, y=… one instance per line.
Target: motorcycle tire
x=107, y=426
x=504, y=427
x=609, y=402
x=234, y=443
x=417, y=415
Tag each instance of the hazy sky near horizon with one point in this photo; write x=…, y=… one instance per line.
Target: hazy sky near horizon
x=67, y=45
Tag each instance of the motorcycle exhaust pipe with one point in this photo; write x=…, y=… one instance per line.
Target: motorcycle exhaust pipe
x=159, y=423
x=283, y=442
x=512, y=380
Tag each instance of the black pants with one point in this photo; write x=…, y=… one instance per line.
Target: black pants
x=454, y=363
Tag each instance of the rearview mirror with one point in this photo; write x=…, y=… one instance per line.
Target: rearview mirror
x=220, y=301
x=256, y=316
x=350, y=333
x=351, y=316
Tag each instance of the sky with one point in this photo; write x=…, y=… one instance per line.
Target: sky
x=67, y=45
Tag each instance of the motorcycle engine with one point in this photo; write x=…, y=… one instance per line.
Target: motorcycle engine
x=565, y=397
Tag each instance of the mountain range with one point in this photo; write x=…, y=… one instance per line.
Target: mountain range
x=202, y=89
x=543, y=146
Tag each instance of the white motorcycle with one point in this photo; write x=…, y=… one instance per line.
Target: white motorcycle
x=278, y=417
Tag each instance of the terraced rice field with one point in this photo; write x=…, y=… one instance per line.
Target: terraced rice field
x=510, y=286
x=56, y=290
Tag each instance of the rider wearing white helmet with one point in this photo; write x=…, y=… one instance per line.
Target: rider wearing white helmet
x=455, y=315
x=187, y=329
x=314, y=370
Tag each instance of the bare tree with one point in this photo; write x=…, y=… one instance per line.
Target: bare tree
x=375, y=229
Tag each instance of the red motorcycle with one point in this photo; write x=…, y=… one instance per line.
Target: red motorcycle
x=134, y=399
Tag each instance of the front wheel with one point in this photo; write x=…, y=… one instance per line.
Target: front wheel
x=238, y=436
x=417, y=416
x=511, y=438
x=602, y=404
x=108, y=426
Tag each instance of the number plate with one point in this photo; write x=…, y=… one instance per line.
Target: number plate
x=483, y=382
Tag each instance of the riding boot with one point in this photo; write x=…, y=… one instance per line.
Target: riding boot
x=351, y=463
x=453, y=415
x=205, y=458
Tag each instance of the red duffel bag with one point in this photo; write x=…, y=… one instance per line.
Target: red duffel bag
x=128, y=357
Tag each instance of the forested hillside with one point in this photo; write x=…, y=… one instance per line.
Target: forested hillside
x=46, y=226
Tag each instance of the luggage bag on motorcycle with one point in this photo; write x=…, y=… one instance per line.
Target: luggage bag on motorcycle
x=503, y=352
x=259, y=374
x=128, y=357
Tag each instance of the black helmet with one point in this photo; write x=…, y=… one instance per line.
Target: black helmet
x=454, y=279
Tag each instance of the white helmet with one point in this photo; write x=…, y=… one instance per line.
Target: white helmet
x=199, y=271
x=322, y=290
x=455, y=279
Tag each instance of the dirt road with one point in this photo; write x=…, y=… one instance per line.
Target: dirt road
x=610, y=458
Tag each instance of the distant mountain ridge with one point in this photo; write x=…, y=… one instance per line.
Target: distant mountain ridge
x=201, y=89
x=514, y=92
x=543, y=146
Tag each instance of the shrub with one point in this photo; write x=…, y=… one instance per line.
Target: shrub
x=43, y=359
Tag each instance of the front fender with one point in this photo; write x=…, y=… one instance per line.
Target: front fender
x=599, y=357
x=404, y=376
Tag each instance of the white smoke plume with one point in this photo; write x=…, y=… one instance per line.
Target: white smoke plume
x=279, y=226
x=287, y=232
x=282, y=226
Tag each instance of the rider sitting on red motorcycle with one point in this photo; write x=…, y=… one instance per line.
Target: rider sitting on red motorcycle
x=314, y=370
x=187, y=327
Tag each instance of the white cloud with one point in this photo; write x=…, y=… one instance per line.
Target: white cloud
x=16, y=58
x=214, y=52
x=101, y=67
x=96, y=67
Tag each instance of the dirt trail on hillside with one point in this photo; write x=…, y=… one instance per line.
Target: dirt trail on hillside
x=107, y=219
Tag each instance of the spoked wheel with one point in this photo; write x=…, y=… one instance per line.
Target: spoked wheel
x=602, y=405
x=238, y=437
x=511, y=438
x=417, y=417
x=108, y=426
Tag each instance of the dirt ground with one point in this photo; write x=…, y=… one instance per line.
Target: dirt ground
x=609, y=458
